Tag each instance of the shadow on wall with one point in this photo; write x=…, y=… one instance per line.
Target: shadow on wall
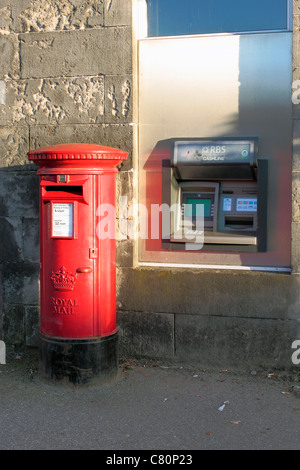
x=19, y=255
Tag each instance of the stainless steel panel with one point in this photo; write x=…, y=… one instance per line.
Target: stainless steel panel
x=218, y=86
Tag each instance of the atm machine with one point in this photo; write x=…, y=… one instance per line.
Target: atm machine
x=223, y=182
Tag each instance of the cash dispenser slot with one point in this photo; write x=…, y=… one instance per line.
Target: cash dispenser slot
x=239, y=223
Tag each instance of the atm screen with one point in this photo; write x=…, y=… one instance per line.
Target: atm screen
x=192, y=203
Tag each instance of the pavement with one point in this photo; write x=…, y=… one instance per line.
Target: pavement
x=151, y=406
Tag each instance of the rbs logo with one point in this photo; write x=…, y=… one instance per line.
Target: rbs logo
x=214, y=149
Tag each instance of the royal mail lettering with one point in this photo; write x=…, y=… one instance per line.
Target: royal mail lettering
x=64, y=306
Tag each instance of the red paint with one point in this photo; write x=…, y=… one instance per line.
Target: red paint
x=78, y=270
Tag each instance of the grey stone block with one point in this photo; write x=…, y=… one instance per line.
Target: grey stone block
x=234, y=342
x=40, y=15
x=14, y=145
x=146, y=335
x=31, y=240
x=296, y=143
x=9, y=57
x=118, y=99
x=296, y=7
x=115, y=15
x=12, y=282
x=19, y=194
x=32, y=325
x=295, y=247
x=125, y=253
x=13, y=324
x=31, y=284
x=59, y=15
x=19, y=282
x=296, y=196
x=74, y=53
x=11, y=240
x=296, y=50
x=54, y=101
x=124, y=189
x=206, y=293
x=10, y=11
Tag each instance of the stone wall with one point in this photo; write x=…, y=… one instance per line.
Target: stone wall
x=65, y=76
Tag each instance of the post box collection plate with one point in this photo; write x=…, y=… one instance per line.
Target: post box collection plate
x=62, y=219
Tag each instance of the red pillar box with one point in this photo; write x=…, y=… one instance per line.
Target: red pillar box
x=78, y=335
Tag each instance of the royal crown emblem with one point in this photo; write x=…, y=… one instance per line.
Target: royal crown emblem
x=63, y=279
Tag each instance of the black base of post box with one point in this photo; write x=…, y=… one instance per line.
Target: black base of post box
x=79, y=362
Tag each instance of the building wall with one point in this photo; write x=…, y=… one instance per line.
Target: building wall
x=68, y=74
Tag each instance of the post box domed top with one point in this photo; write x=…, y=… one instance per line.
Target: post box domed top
x=77, y=152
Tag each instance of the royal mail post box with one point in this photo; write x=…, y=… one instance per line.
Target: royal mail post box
x=78, y=333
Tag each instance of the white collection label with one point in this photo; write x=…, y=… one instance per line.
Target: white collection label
x=62, y=220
